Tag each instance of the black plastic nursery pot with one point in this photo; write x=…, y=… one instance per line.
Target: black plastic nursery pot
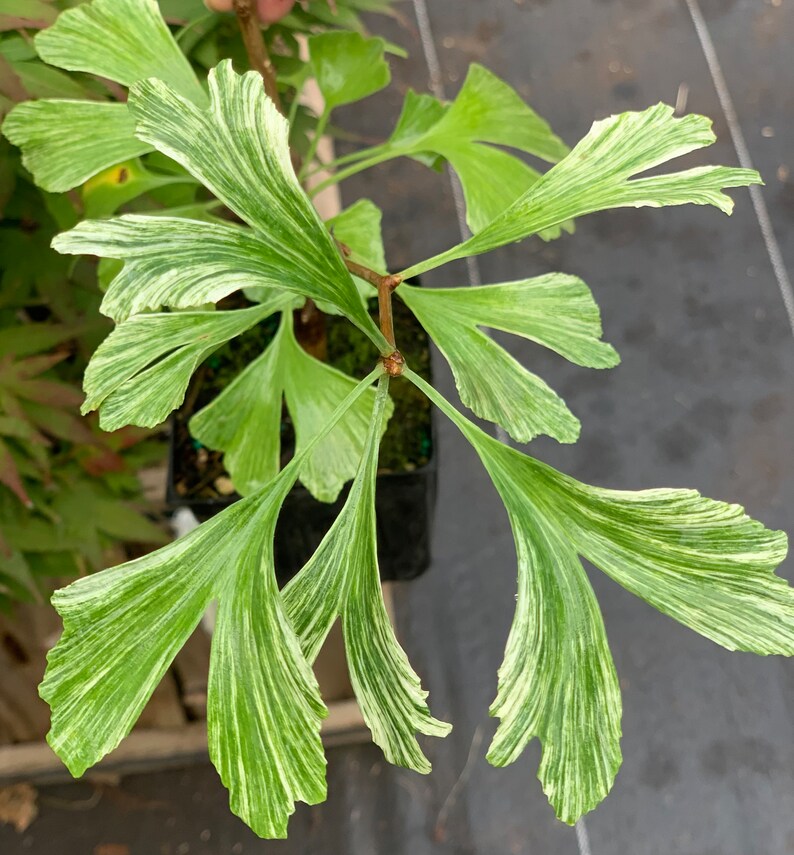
x=406, y=481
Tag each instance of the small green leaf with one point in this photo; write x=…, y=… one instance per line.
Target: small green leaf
x=347, y=66
x=244, y=420
x=313, y=390
x=491, y=180
x=140, y=372
x=420, y=112
x=342, y=578
x=358, y=228
x=123, y=40
x=64, y=143
x=486, y=112
x=238, y=148
x=596, y=175
x=555, y=310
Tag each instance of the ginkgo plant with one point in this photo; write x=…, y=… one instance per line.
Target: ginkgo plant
x=700, y=561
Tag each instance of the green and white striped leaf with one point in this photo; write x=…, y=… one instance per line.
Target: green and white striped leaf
x=596, y=175
x=244, y=420
x=557, y=681
x=123, y=40
x=66, y=142
x=140, y=372
x=342, y=578
x=124, y=626
x=180, y=263
x=263, y=706
x=238, y=148
x=703, y=562
x=555, y=310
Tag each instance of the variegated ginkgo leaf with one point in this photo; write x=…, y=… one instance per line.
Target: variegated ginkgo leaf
x=140, y=372
x=600, y=174
x=122, y=40
x=244, y=420
x=239, y=149
x=342, y=579
x=488, y=112
x=64, y=143
x=703, y=562
x=178, y=263
x=555, y=310
x=124, y=626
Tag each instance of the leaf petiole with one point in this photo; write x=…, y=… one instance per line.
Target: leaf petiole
x=374, y=160
x=322, y=123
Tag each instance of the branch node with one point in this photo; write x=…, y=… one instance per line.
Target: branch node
x=393, y=364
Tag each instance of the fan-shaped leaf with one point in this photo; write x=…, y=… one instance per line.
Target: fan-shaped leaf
x=702, y=562
x=595, y=177
x=141, y=370
x=123, y=627
x=555, y=310
x=244, y=420
x=342, y=578
x=123, y=40
x=347, y=66
x=485, y=112
x=239, y=149
x=64, y=143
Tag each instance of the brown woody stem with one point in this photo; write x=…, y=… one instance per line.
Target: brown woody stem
x=385, y=285
x=256, y=48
